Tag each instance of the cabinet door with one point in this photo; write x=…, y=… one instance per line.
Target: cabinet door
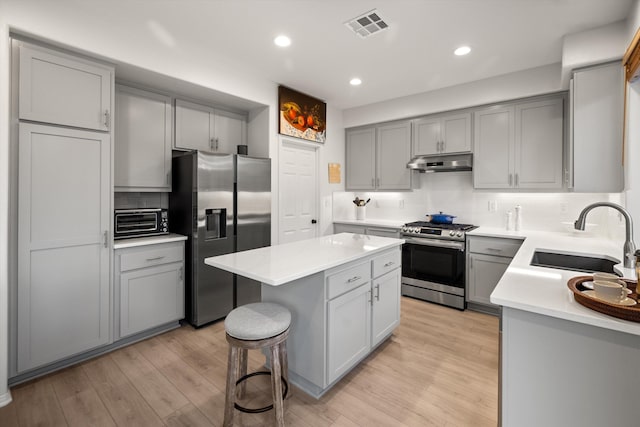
x=426, y=136
x=597, y=109
x=493, y=148
x=229, y=131
x=539, y=144
x=393, y=154
x=485, y=272
x=456, y=133
x=194, y=126
x=143, y=139
x=151, y=297
x=63, y=243
x=349, y=334
x=361, y=159
x=60, y=89
x=386, y=305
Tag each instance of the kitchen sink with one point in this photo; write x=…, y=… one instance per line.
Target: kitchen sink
x=574, y=261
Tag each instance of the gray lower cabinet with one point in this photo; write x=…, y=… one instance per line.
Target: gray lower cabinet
x=149, y=287
x=143, y=140
x=487, y=260
x=363, y=229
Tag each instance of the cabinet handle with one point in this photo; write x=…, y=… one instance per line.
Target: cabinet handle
x=217, y=144
x=470, y=263
x=181, y=273
x=510, y=179
x=106, y=119
x=211, y=144
x=105, y=239
x=442, y=146
x=494, y=249
x=389, y=264
x=155, y=258
x=516, y=181
x=353, y=279
x=378, y=292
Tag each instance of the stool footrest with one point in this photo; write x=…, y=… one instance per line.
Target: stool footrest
x=266, y=408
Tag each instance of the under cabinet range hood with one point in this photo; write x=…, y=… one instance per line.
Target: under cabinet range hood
x=442, y=163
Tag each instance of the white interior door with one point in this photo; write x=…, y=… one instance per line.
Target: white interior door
x=298, y=192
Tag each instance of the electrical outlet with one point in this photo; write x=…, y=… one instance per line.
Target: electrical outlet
x=493, y=206
x=564, y=207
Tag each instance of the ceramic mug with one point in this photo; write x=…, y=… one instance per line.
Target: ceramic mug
x=609, y=291
x=608, y=277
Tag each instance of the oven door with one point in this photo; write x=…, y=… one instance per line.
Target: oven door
x=436, y=261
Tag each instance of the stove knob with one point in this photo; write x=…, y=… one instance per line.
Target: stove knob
x=452, y=233
x=404, y=228
x=459, y=234
x=416, y=230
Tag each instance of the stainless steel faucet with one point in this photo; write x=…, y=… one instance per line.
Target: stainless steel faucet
x=629, y=246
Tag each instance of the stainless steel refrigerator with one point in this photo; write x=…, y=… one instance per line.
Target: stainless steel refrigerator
x=222, y=202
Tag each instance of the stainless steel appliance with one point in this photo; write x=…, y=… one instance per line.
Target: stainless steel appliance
x=139, y=222
x=433, y=262
x=222, y=202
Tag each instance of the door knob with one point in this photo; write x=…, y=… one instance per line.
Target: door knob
x=313, y=221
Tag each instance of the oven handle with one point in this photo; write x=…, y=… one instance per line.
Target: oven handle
x=434, y=242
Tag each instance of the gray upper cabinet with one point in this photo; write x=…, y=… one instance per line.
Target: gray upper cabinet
x=594, y=161
x=59, y=89
x=520, y=145
x=200, y=127
x=143, y=140
x=361, y=159
x=393, y=152
x=377, y=157
x=442, y=134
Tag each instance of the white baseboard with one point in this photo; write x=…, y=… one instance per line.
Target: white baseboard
x=5, y=399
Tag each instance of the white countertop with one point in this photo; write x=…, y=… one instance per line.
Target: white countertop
x=280, y=264
x=151, y=240
x=544, y=290
x=372, y=222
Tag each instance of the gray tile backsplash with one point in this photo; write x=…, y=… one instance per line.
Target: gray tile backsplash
x=134, y=200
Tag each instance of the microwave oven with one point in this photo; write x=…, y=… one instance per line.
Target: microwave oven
x=140, y=222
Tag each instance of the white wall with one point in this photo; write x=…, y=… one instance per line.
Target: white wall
x=453, y=194
x=535, y=81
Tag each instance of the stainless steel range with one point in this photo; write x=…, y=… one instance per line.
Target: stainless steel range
x=433, y=262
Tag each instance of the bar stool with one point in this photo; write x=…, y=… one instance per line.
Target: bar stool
x=255, y=326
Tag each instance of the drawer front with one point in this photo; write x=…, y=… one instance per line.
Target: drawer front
x=151, y=255
x=346, y=280
x=386, y=262
x=494, y=246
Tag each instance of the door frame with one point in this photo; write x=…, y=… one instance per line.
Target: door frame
x=298, y=144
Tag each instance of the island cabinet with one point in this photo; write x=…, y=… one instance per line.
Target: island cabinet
x=149, y=287
x=201, y=127
x=519, y=145
x=61, y=89
x=338, y=317
x=143, y=139
x=377, y=157
x=442, y=134
x=487, y=260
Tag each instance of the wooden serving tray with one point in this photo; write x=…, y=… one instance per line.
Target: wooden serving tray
x=631, y=313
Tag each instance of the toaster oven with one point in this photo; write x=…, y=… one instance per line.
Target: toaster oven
x=140, y=222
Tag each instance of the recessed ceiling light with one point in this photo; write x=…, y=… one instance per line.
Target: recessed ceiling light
x=282, y=41
x=462, y=50
x=355, y=81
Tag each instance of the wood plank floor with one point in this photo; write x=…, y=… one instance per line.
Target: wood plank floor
x=440, y=368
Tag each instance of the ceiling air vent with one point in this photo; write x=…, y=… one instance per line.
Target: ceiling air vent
x=367, y=24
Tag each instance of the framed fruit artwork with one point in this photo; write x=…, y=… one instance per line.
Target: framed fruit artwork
x=301, y=116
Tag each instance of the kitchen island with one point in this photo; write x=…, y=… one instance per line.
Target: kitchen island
x=562, y=364
x=343, y=292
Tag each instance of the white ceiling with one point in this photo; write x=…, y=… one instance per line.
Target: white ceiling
x=414, y=55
